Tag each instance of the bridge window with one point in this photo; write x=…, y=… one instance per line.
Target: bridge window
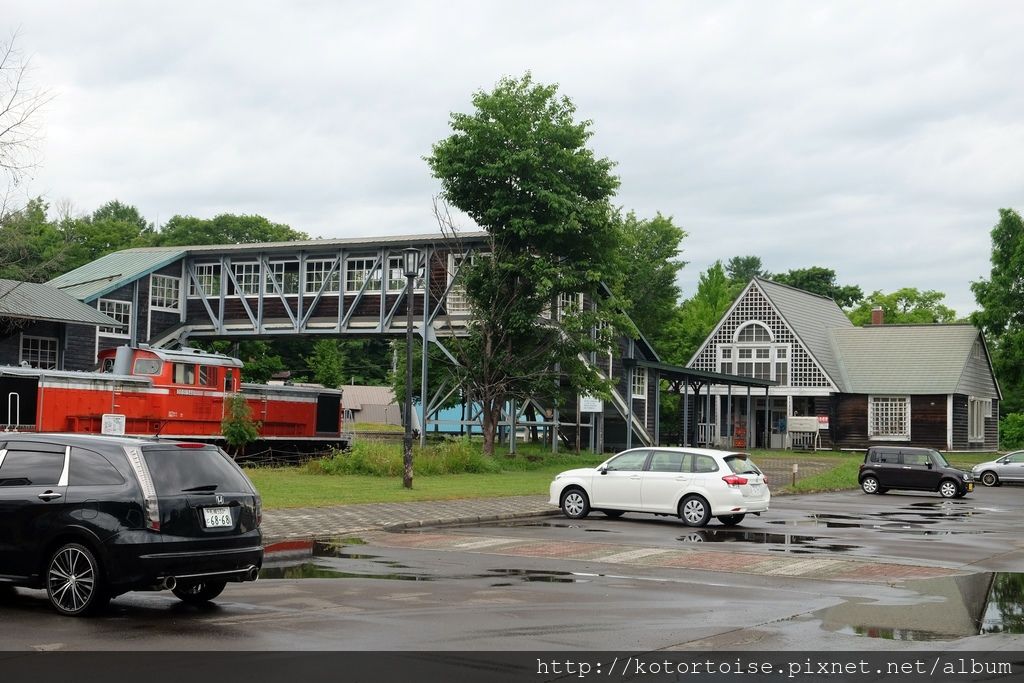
x=247, y=277
x=165, y=292
x=316, y=274
x=121, y=311
x=287, y=279
x=396, y=276
x=360, y=270
x=208, y=275
x=39, y=352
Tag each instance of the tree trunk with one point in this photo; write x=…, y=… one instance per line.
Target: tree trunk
x=531, y=415
x=491, y=415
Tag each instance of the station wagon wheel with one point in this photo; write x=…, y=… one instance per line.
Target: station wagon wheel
x=694, y=511
x=575, y=504
x=197, y=593
x=869, y=485
x=74, y=583
x=948, y=488
x=990, y=479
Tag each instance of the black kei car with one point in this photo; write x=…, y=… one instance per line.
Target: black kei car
x=917, y=469
x=91, y=517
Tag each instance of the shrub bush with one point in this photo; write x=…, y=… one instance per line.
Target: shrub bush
x=1011, y=431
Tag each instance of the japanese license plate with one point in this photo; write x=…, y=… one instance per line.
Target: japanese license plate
x=217, y=517
x=970, y=486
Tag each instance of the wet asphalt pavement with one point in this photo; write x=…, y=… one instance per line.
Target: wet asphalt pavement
x=841, y=571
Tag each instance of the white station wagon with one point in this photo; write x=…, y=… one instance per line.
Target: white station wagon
x=694, y=483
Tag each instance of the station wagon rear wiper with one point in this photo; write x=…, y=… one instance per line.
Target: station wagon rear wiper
x=207, y=487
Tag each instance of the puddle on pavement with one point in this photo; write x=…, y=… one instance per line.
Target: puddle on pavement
x=318, y=563
x=788, y=543
x=547, y=525
x=946, y=608
x=907, y=518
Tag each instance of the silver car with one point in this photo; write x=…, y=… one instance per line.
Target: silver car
x=1010, y=468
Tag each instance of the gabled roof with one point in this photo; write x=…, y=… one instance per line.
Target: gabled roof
x=905, y=359
x=359, y=395
x=42, y=302
x=811, y=317
x=107, y=273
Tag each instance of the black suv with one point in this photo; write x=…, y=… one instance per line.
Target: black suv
x=918, y=469
x=91, y=517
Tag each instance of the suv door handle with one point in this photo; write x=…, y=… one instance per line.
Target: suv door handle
x=48, y=496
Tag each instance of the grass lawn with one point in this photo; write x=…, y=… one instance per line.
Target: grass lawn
x=529, y=474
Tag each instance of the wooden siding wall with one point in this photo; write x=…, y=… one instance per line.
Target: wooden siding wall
x=927, y=423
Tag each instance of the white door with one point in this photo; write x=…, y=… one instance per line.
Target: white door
x=618, y=488
x=667, y=477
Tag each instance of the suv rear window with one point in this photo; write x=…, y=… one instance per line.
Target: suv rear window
x=175, y=470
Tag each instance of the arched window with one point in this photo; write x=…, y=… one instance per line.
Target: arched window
x=753, y=332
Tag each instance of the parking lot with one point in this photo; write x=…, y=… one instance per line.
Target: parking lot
x=827, y=571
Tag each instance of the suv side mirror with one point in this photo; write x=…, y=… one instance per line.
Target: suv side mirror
x=930, y=464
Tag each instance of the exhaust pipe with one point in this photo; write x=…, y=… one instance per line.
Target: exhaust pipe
x=253, y=573
x=169, y=583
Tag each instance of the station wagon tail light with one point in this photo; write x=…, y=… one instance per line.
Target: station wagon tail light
x=259, y=511
x=191, y=444
x=734, y=480
x=151, y=507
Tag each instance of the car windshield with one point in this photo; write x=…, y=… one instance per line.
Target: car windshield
x=741, y=464
x=940, y=459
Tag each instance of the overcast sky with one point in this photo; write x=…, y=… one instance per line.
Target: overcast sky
x=878, y=139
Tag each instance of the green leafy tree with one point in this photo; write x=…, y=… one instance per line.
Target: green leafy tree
x=238, y=427
x=224, y=229
x=32, y=248
x=1001, y=317
x=519, y=167
x=327, y=363
x=112, y=227
x=646, y=275
x=821, y=281
x=904, y=306
x=743, y=269
x=697, y=316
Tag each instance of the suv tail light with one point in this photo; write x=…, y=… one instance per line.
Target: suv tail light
x=151, y=506
x=259, y=511
x=734, y=480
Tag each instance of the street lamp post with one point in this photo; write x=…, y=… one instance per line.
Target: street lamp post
x=410, y=265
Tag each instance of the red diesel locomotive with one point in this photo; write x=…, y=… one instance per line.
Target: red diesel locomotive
x=155, y=392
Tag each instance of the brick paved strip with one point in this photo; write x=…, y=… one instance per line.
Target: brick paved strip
x=668, y=558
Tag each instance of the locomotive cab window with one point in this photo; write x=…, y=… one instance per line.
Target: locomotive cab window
x=229, y=380
x=184, y=373
x=147, y=366
x=207, y=375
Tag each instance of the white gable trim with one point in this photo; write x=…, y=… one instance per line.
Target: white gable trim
x=721, y=321
x=789, y=326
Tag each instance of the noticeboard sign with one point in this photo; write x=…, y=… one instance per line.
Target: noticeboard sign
x=590, y=404
x=113, y=424
x=803, y=424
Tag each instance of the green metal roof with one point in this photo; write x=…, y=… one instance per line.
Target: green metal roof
x=42, y=302
x=905, y=359
x=107, y=273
